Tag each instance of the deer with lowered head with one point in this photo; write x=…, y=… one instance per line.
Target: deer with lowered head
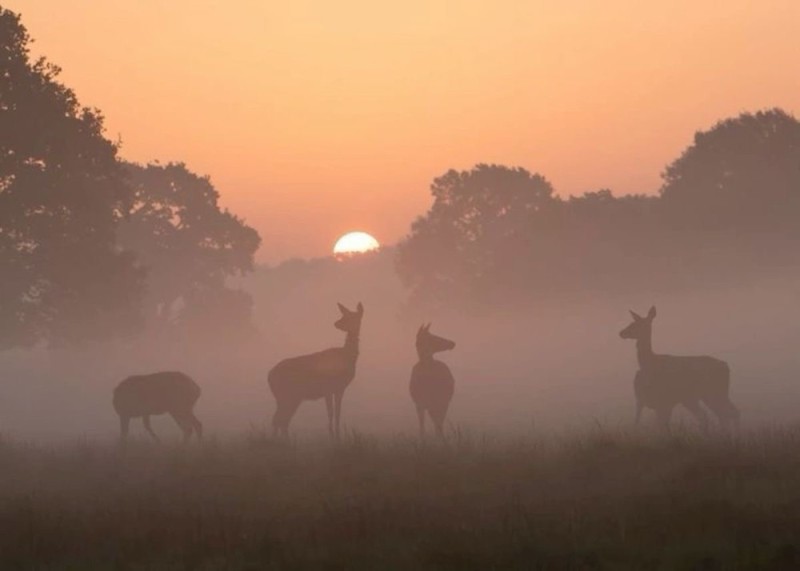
x=432, y=384
x=158, y=393
x=665, y=381
x=322, y=375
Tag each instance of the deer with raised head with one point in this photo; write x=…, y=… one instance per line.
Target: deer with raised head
x=158, y=393
x=665, y=381
x=432, y=384
x=322, y=375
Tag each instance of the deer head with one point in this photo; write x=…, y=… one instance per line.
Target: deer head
x=350, y=321
x=641, y=327
x=428, y=344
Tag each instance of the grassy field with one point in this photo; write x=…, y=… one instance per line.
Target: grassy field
x=597, y=499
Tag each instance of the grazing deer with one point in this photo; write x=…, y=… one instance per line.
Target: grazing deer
x=664, y=381
x=158, y=393
x=325, y=374
x=432, y=383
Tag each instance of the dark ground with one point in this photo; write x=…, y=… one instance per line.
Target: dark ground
x=599, y=499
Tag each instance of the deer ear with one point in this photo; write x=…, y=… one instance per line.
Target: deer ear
x=636, y=316
x=342, y=308
x=360, y=307
x=652, y=313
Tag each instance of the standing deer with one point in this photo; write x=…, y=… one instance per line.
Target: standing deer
x=432, y=383
x=325, y=374
x=158, y=393
x=664, y=381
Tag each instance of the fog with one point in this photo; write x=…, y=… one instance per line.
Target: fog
x=552, y=366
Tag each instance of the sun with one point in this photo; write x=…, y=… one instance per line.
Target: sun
x=355, y=243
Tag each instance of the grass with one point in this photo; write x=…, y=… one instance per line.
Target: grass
x=598, y=499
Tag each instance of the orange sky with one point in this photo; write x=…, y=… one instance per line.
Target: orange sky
x=314, y=118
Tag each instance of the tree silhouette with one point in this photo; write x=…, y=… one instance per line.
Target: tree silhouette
x=470, y=235
x=601, y=239
x=62, y=193
x=731, y=201
x=189, y=246
x=742, y=174
x=728, y=205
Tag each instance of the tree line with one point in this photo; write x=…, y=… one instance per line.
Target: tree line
x=728, y=208
x=93, y=247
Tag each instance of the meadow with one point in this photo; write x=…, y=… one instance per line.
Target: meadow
x=594, y=498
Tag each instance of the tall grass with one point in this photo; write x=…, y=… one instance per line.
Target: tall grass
x=595, y=499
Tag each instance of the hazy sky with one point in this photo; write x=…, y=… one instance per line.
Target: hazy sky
x=314, y=118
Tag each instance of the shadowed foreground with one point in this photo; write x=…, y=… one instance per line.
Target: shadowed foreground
x=595, y=500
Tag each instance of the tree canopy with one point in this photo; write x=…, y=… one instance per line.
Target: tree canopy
x=62, y=194
x=743, y=174
x=188, y=244
x=476, y=220
x=92, y=247
x=729, y=203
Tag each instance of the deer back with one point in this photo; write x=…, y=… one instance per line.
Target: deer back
x=155, y=393
x=314, y=375
x=670, y=380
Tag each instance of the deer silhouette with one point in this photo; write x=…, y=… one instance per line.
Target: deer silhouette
x=325, y=374
x=432, y=383
x=158, y=393
x=665, y=381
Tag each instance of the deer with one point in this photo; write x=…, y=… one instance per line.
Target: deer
x=322, y=375
x=169, y=392
x=665, y=381
x=432, y=384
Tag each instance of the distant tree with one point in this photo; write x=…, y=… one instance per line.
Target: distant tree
x=601, y=239
x=189, y=246
x=742, y=175
x=729, y=205
x=473, y=232
x=62, y=192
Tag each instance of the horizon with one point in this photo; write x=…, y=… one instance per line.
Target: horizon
x=359, y=107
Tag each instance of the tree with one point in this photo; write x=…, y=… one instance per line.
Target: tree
x=62, y=193
x=469, y=239
x=600, y=239
x=742, y=175
x=189, y=246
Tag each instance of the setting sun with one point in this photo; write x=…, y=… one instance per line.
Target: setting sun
x=355, y=243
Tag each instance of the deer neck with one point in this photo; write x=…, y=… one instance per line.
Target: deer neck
x=351, y=345
x=644, y=351
x=425, y=356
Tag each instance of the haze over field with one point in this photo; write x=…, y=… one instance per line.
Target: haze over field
x=313, y=121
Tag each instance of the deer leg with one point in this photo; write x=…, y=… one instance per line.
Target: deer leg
x=438, y=421
x=699, y=413
x=329, y=407
x=638, y=416
x=277, y=420
x=337, y=400
x=283, y=416
x=733, y=415
x=421, y=415
x=146, y=421
x=663, y=415
x=726, y=412
x=124, y=425
x=198, y=426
